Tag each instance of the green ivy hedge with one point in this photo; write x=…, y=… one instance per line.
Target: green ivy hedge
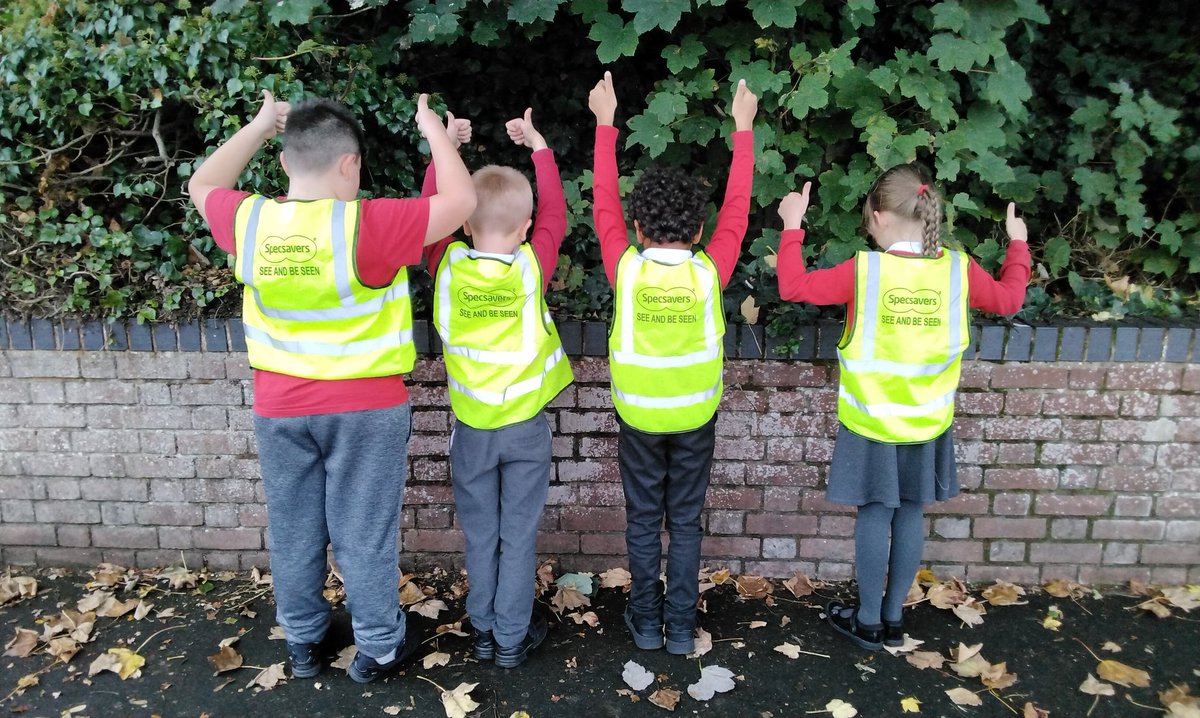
x=1085, y=114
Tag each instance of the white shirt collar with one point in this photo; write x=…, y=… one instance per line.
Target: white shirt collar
x=909, y=247
x=667, y=255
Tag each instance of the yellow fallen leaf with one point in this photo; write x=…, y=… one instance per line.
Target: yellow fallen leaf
x=1095, y=687
x=925, y=576
x=122, y=661
x=590, y=618
x=964, y=697
x=410, y=594
x=910, y=705
x=1122, y=674
x=458, y=703
x=749, y=310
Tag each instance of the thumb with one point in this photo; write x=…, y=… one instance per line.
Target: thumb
x=449, y=118
x=268, y=98
x=608, y=79
x=741, y=88
x=1012, y=211
x=529, y=115
x=422, y=102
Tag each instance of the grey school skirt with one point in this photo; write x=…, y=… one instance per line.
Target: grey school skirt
x=865, y=471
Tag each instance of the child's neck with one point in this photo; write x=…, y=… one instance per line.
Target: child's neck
x=495, y=243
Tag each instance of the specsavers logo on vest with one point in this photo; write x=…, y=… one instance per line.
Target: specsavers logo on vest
x=900, y=304
x=666, y=306
x=285, y=253
x=478, y=302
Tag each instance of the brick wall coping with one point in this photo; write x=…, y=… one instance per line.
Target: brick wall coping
x=989, y=341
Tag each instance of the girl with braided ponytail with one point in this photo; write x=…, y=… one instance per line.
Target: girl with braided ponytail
x=900, y=358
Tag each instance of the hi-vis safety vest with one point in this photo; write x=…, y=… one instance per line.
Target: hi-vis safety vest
x=666, y=347
x=901, y=357
x=504, y=359
x=304, y=310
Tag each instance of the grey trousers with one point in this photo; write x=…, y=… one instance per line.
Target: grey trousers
x=665, y=476
x=336, y=479
x=501, y=477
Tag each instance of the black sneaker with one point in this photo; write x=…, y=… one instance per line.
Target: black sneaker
x=513, y=656
x=893, y=633
x=485, y=645
x=844, y=620
x=304, y=658
x=364, y=669
x=646, y=636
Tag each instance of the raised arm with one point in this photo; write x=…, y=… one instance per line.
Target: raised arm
x=550, y=224
x=1005, y=295
x=223, y=167
x=458, y=129
x=607, y=213
x=725, y=245
x=796, y=284
x=455, y=198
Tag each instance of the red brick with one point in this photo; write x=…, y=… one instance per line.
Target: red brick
x=780, y=524
x=609, y=544
x=428, y=371
x=603, y=494
x=1081, y=403
x=1113, y=574
x=744, y=449
x=227, y=538
x=785, y=475
x=1124, y=478
x=979, y=402
x=429, y=445
x=125, y=536
x=592, y=397
x=430, y=470
x=735, y=546
x=1183, y=554
x=1011, y=504
x=1020, y=478
x=1132, y=430
x=989, y=527
x=1151, y=377
x=431, y=420
x=1133, y=505
x=1178, y=507
x=417, y=494
x=818, y=450
x=779, y=569
x=720, y=497
x=1178, y=456
x=726, y=522
x=1191, y=379
x=965, y=503
x=1071, y=504
x=1022, y=429
x=738, y=399
x=970, y=478
x=435, y=540
x=1128, y=530
x=974, y=452
x=813, y=502
x=1187, y=429
x=977, y=573
x=842, y=549
x=1144, y=405
x=976, y=374
x=1012, y=453
x=1023, y=403
x=728, y=472
x=1028, y=376
x=591, y=518
x=793, y=425
x=781, y=498
x=1079, y=477
x=27, y=535
x=431, y=396
x=557, y=543
x=588, y=471
x=1062, y=552
x=957, y=551
x=1086, y=376
x=1136, y=455
x=788, y=374
x=1185, y=480
x=1078, y=454
x=1081, y=429
x=434, y=517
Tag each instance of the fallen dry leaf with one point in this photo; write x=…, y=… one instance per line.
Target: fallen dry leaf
x=269, y=677
x=568, y=598
x=1156, y=606
x=753, y=587
x=926, y=659
x=1177, y=694
x=437, y=658
x=665, y=698
x=590, y=618
x=142, y=610
x=1110, y=647
x=702, y=644
x=429, y=608
x=910, y=705
x=1185, y=597
x=225, y=659
x=970, y=613
x=411, y=594
x=1062, y=588
x=345, y=657
x=790, y=650
x=1122, y=674
x=22, y=643
x=713, y=680
x=757, y=624
x=93, y=601
x=963, y=697
x=749, y=310
x=178, y=576
x=63, y=648
x=122, y=661
x=392, y=710
x=800, y=585
x=997, y=677
x=636, y=676
x=946, y=595
x=616, y=578
x=910, y=644
x=839, y=708
x=454, y=629
x=458, y=702
x=1053, y=619
x=1183, y=710
x=1094, y=687
x=1032, y=711
x=1003, y=593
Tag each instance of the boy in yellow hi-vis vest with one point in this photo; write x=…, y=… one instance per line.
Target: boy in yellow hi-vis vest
x=504, y=363
x=900, y=356
x=666, y=355
x=329, y=333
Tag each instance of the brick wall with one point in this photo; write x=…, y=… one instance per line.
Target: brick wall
x=1079, y=455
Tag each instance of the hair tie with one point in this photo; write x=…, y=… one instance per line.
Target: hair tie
x=921, y=190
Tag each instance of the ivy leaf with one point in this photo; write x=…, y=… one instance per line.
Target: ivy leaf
x=781, y=13
x=683, y=56
x=616, y=38
x=1056, y=254
x=649, y=14
x=666, y=106
x=526, y=11
x=649, y=133
x=293, y=12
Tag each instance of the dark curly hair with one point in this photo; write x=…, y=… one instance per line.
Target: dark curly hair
x=668, y=204
x=318, y=132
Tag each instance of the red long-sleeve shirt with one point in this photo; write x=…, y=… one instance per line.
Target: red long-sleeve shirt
x=836, y=284
x=549, y=224
x=723, y=247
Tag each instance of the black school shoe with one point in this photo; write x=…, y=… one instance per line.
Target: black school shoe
x=893, y=633
x=485, y=645
x=513, y=656
x=844, y=620
x=304, y=658
x=364, y=669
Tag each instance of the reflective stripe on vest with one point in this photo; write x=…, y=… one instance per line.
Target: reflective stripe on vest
x=304, y=311
x=503, y=364
x=901, y=359
x=662, y=309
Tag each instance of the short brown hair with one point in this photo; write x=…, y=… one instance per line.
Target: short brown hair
x=505, y=199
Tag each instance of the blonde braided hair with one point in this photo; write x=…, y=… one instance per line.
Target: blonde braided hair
x=905, y=190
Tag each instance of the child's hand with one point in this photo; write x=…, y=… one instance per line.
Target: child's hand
x=428, y=121
x=1015, y=226
x=522, y=132
x=458, y=129
x=272, y=116
x=745, y=106
x=793, y=207
x=602, y=101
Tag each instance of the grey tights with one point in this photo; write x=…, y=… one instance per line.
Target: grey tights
x=887, y=544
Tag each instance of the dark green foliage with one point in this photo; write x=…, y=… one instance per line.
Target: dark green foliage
x=1086, y=116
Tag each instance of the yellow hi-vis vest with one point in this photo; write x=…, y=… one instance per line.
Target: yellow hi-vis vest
x=504, y=359
x=666, y=346
x=304, y=309
x=901, y=357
